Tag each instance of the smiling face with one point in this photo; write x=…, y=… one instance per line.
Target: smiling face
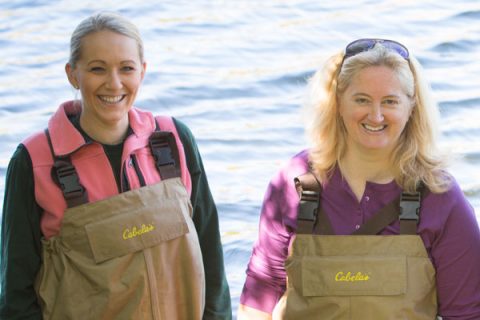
x=108, y=74
x=374, y=109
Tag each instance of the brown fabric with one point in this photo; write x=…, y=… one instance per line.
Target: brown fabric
x=358, y=277
x=323, y=225
x=408, y=227
x=311, y=216
x=165, y=151
x=132, y=256
x=381, y=219
x=312, y=219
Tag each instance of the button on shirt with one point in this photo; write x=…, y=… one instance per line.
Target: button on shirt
x=448, y=228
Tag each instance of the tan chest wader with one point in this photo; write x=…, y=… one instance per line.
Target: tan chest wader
x=361, y=276
x=132, y=256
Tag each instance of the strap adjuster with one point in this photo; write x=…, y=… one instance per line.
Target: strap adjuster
x=308, y=203
x=165, y=152
x=409, y=206
x=67, y=178
x=160, y=143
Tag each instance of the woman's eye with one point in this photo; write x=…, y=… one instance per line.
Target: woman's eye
x=390, y=102
x=97, y=69
x=128, y=68
x=361, y=100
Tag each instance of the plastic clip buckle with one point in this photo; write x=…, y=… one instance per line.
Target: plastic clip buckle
x=68, y=179
x=161, y=150
x=409, y=206
x=308, y=205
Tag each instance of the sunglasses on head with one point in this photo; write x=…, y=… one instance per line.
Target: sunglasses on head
x=362, y=45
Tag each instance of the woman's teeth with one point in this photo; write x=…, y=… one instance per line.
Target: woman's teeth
x=371, y=128
x=110, y=99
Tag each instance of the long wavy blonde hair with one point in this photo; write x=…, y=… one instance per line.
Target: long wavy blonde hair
x=415, y=158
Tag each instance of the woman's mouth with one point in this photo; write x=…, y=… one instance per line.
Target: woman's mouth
x=374, y=128
x=111, y=99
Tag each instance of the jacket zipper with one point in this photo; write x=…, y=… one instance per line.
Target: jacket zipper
x=140, y=176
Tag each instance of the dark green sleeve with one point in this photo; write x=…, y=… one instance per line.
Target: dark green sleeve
x=20, y=241
x=205, y=217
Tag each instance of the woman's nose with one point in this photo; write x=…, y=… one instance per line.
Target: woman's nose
x=375, y=115
x=114, y=81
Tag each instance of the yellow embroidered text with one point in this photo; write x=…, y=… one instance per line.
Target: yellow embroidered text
x=135, y=232
x=351, y=277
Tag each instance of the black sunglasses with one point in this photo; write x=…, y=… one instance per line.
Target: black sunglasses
x=362, y=45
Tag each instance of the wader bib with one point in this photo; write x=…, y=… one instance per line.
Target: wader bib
x=135, y=255
x=362, y=276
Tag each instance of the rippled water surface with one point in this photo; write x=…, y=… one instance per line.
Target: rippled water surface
x=235, y=72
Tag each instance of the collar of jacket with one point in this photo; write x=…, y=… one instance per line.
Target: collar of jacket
x=66, y=139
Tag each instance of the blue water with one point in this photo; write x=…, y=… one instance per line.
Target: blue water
x=235, y=72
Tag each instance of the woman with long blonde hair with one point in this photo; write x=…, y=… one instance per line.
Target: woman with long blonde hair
x=367, y=223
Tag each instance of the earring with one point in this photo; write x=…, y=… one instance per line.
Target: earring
x=75, y=86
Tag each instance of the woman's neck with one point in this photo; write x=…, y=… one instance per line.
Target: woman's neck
x=104, y=134
x=357, y=169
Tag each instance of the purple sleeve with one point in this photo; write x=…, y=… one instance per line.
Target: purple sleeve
x=266, y=276
x=456, y=255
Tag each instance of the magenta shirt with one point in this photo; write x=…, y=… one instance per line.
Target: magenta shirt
x=448, y=228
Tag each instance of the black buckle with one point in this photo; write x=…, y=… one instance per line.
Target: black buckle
x=68, y=179
x=308, y=205
x=160, y=144
x=409, y=206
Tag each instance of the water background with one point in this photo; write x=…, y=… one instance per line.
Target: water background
x=235, y=73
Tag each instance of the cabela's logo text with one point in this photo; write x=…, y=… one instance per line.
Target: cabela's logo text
x=135, y=232
x=351, y=277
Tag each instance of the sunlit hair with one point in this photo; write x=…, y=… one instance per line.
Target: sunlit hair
x=415, y=157
x=98, y=22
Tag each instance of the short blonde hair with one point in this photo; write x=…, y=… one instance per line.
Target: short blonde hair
x=415, y=158
x=103, y=21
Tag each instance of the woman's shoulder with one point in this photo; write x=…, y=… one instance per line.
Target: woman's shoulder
x=296, y=166
x=451, y=200
x=34, y=138
x=297, y=161
x=182, y=128
x=453, y=191
x=21, y=156
x=19, y=167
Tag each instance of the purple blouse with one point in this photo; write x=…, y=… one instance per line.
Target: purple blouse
x=448, y=228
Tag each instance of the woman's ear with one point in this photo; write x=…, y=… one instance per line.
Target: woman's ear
x=71, y=75
x=413, y=106
x=339, y=107
x=144, y=69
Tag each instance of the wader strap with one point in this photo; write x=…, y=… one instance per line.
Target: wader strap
x=323, y=224
x=409, y=212
x=310, y=213
x=66, y=177
x=409, y=215
x=165, y=152
x=380, y=220
x=313, y=220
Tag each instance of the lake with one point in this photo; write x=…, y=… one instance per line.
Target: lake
x=235, y=73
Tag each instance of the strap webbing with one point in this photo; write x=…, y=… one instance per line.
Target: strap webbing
x=410, y=211
x=380, y=220
x=165, y=151
x=313, y=220
x=66, y=177
x=309, y=189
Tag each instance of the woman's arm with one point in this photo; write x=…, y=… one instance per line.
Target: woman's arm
x=265, y=283
x=247, y=313
x=456, y=255
x=20, y=241
x=205, y=217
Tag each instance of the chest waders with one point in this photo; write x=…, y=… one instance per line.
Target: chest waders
x=362, y=276
x=135, y=255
